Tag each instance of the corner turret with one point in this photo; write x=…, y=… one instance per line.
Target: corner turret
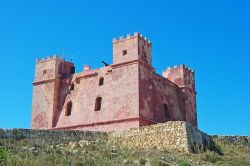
x=181, y=75
x=52, y=68
x=132, y=48
x=46, y=88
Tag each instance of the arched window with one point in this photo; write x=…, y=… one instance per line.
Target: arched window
x=72, y=70
x=44, y=72
x=72, y=87
x=124, y=52
x=68, y=109
x=101, y=81
x=166, y=110
x=98, y=103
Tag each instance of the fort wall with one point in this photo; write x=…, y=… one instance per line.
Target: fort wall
x=118, y=106
x=158, y=97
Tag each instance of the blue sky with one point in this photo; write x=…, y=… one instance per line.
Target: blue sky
x=210, y=36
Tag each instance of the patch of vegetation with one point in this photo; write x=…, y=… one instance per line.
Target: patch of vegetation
x=34, y=152
x=212, y=157
x=3, y=155
x=184, y=163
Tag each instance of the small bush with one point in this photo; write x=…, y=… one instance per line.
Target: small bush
x=217, y=148
x=3, y=155
x=184, y=163
x=212, y=157
x=142, y=161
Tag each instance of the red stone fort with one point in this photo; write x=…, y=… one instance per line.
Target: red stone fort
x=125, y=94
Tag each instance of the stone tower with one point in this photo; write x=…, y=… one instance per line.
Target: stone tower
x=134, y=47
x=125, y=94
x=183, y=77
x=46, y=90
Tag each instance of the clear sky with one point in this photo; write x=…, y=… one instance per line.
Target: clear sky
x=210, y=36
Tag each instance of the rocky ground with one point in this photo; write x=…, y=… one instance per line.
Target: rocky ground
x=101, y=152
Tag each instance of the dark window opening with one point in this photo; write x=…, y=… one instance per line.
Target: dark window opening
x=77, y=80
x=124, y=52
x=166, y=110
x=44, y=72
x=101, y=81
x=144, y=55
x=72, y=87
x=98, y=104
x=73, y=70
x=68, y=109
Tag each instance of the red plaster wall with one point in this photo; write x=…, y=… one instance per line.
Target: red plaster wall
x=117, y=103
x=44, y=93
x=130, y=44
x=46, y=87
x=42, y=105
x=137, y=47
x=108, y=126
x=183, y=77
x=154, y=92
x=145, y=50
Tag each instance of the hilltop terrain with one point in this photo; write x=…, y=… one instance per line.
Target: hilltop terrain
x=230, y=151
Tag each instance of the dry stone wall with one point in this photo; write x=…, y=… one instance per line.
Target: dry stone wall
x=233, y=140
x=51, y=136
x=175, y=136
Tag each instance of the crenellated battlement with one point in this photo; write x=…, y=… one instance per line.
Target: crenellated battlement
x=47, y=59
x=182, y=66
x=136, y=34
x=181, y=75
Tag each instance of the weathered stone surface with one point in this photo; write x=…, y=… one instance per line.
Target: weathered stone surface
x=176, y=136
x=49, y=136
x=235, y=140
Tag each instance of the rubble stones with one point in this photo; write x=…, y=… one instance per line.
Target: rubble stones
x=50, y=136
x=175, y=136
x=178, y=136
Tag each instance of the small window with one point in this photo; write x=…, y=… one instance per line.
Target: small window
x=72, y=87
x=166, y=110
x=124, y=52
x=44, y=72
x=101, y=81
x=68, y=109
x=98, y=104
x=73, y=70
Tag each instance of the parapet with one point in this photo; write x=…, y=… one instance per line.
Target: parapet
x=182, y=66
x=136, y=34
x=47, y=59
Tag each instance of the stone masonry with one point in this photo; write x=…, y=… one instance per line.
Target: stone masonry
x=50, y=136
x=173, y=136
x=125, y=94
x=177, y=136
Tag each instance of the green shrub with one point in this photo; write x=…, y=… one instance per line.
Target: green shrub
x=142, y=161
x=3, y=155
x=217, y=148
x=184, y=163
x=212, y=157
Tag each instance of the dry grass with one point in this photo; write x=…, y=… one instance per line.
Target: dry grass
x=26, y=152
